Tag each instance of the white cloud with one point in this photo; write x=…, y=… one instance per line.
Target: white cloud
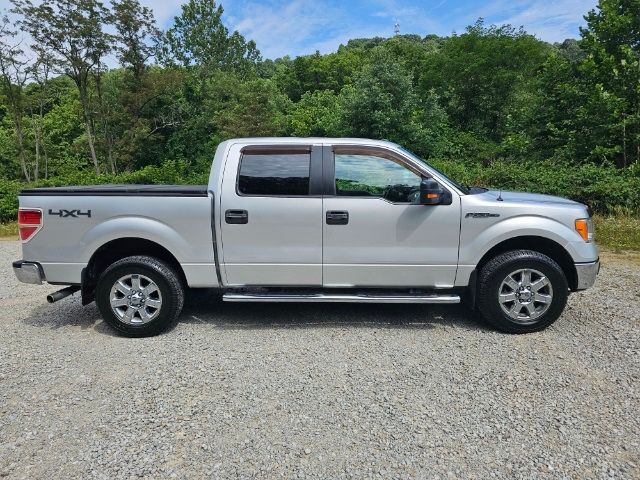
x=554, y=21
x=414, y=17
x=298, y=27
x=550, y=21
x=164, y=10
x=286, y=29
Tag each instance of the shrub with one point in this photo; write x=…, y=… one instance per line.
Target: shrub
x=170, y=172
x=605, y=189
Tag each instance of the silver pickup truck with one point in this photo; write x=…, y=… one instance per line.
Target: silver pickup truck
x=308, y=220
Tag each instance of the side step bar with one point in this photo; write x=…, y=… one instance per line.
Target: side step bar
x=328, y=298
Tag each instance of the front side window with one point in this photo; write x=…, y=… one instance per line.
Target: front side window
x=278, y=174
x=369, y=175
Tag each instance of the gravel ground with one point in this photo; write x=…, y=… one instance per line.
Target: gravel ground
x=320, y=391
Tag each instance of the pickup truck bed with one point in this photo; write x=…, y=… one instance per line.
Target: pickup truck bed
x=120, y=190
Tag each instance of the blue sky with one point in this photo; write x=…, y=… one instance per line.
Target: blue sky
x=298, y=27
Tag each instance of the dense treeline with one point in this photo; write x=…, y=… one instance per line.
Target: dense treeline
x=493, y=105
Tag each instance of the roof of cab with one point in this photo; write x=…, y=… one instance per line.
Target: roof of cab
x=311, y=141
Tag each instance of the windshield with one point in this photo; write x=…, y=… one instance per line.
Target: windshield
x=462, y=188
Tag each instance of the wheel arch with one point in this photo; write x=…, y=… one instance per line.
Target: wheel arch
x=543, y=245
x=120, y=248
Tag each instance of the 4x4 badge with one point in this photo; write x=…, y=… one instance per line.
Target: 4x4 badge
x=70, y=213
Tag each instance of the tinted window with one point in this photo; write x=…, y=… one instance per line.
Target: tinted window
x=373, y=176
x=274, y=174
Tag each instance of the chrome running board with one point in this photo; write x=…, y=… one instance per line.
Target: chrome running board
x=327, y=298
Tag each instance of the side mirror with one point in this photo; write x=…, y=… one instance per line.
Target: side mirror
x=431, y=193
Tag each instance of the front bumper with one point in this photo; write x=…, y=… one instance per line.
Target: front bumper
x=28, y=272
x=587, y=273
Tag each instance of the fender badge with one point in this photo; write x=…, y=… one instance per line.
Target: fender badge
x=481, y=215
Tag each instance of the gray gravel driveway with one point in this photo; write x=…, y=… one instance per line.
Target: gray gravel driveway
x=320, y=391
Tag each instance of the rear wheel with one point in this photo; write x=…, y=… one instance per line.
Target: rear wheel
x=522, y=291
x=140, y=296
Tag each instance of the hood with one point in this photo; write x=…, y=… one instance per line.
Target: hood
x=520, y=197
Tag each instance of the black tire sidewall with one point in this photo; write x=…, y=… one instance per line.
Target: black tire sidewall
x=169, y=301
x=499, y=268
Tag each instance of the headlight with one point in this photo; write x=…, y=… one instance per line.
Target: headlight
x=584, y=226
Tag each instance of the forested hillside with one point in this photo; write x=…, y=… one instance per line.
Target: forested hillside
x=491, y=106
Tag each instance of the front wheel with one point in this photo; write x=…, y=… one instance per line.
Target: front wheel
x=140, y=296
x=522, y=291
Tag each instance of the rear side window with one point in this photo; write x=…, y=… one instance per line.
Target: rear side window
x=278, y=174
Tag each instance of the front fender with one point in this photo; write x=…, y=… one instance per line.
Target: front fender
x=476, y=238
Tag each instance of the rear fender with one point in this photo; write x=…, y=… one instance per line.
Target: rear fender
x=137, y=227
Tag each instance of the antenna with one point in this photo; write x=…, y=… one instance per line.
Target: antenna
x=396, y=28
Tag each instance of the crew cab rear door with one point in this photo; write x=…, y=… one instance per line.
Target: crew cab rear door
x=271, y=215
x=375, y=232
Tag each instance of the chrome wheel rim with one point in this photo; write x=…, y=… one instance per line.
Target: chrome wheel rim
x=135, y=299
x=525, y=295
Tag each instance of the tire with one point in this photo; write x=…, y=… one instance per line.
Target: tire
x=147, y=296
x=509, y=304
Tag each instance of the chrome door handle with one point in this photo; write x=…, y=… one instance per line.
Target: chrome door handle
x=236, y=217
x=337, y=217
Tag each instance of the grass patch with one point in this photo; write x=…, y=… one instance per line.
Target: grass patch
x=620, y=232
x=9, y=231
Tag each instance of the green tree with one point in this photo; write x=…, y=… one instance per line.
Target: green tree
x=317, y=72
x=199, y=37
x=63, y=128
x=13, y=77
x=611, y=40
x=561, y=113
x=8, y=155
x=139, y=37
x=39, y=100
x=256, y=109
x=381, y=103
x=317, y=114
x=72, y=32
x=124, y=94
x=476, y=72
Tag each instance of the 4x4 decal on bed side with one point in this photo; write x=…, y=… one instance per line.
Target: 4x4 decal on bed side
x=70, y=213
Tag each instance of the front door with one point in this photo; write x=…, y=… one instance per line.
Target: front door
x=271, y=216
x=375, y=234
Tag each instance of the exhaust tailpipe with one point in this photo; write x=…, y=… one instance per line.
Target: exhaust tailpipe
x=60, y=294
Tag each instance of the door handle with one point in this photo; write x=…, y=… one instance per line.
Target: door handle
x=236, y=217
x=337, y=217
